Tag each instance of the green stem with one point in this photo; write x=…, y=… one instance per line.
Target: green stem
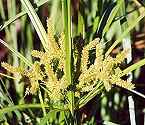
x=42, y=103
x=12, y=19
x=130, y=27
x=36, y=22
x=66, y=10
x=10, y=77
x=133, y=67
x=20, y=107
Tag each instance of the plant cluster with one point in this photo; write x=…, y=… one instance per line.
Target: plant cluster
x=48, y=69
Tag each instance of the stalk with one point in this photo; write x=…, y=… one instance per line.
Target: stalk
x=42, y=103
x=19, y=15
x=66, y=8
x=127, y=45
x=128, y=29
x=11, y=4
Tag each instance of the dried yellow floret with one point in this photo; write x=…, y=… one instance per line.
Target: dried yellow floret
x=104, y=69
x=52, y=44
x=50, y=70
x=11, y=69
x=121, y=56
x=121, y=83
x=85, y=54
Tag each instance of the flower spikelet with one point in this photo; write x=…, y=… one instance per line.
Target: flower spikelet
x=121, y=83
x=121, y=56
x=56, y=88
x=37, y=54
x=87, y=77
x=34, y=75
x=85, y=54
x=11, y=69
x=50, y=73
x=44, y=57
x=99, y=52
x=104, y=69
x=52, y=45
x=62, y=51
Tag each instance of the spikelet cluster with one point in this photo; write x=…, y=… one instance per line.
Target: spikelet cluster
x=35, y=75
x=49, y=70
x=104, y=69
x=55, y=85
x=12, y=69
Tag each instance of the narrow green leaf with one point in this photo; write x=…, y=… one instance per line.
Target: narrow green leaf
x=10, y=77
x=36, y=22
x=80, y=27
x=20, y=107
x=66, y=8
x=12, y=19
x=130, y=27
x=42, y=103
x=67, y=43
x=112, y=16
x=133, y=67
x=16, y=53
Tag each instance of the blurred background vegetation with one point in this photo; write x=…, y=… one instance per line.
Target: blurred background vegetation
x=89, y=20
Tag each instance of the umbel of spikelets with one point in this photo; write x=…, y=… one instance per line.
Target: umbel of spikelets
x=48, y=71
x=104, y=69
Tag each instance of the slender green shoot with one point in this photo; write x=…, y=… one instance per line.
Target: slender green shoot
x=12, y=19
x=42, y=103
x=68, y=47
x=36, y=22
x=130, y=27
x=133, y=67
x=112, y=16
x=10, y=77
x=16, y=53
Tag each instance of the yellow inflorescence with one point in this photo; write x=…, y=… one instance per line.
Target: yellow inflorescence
x=43, y=72
x=52, y=44
x=34, y=76
x=121, y=56
x=85, y=53
x=104, y=69
x=49, y=71
x=11, y=69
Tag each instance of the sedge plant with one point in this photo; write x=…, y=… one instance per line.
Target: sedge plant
x=67, y=86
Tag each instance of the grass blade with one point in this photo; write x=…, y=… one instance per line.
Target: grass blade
x=20, y=107
x=112, y=16
x=68, y=47
x=133, y=67
x=26, y=61
x=130, y=27
x=42, y=103
x=36, y=22
x=12, y=19
x=10, y=77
